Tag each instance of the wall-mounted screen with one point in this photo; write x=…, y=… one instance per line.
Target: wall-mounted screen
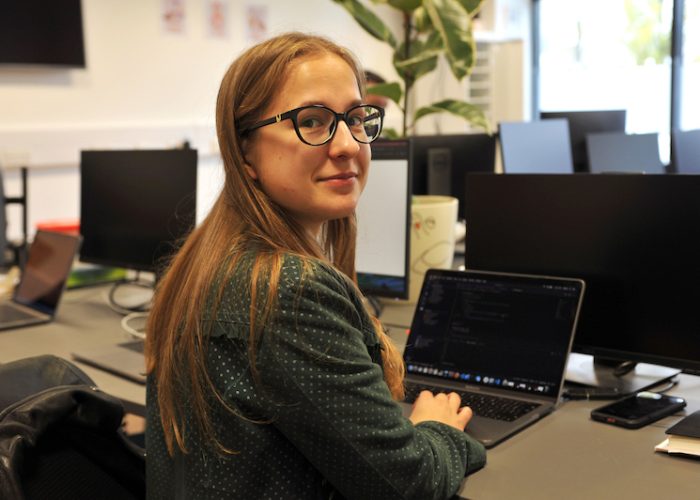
x=40, y=32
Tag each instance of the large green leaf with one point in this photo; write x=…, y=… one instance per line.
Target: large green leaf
x=472, y=6
x=453, y=24
x=421, y=21
x=369, y=21
x=391, y=90
x=473, y=114
x=421, y=59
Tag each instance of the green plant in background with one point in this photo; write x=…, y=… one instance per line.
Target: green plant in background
x=431, y=28
x=646, y=36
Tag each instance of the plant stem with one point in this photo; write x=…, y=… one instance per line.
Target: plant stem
x=408, y=80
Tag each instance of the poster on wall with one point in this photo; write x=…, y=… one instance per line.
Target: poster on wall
x=256, y=23
x=172, y=15
x=216, y=18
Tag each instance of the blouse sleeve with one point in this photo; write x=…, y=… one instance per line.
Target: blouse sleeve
x=332, y=402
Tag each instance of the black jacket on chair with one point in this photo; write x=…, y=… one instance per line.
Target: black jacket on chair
x=60, y=436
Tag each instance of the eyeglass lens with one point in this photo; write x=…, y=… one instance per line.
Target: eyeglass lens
x=316, y=125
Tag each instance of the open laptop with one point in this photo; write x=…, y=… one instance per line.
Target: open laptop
x=498, y=339
x=36, y=297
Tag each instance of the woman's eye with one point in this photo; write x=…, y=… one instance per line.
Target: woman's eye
x=354, y=121
x=310, y=122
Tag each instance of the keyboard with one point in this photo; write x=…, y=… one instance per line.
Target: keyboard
x=483, y=405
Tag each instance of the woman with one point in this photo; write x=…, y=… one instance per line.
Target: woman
x=267, y=376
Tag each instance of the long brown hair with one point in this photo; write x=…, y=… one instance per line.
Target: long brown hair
x=243, y=214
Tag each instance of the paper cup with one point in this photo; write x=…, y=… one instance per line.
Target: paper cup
x=433, y=220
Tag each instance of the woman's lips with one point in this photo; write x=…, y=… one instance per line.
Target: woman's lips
x=344, y=180
x=343, y=176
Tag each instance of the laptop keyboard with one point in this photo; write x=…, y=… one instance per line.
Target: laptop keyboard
x=484, y=405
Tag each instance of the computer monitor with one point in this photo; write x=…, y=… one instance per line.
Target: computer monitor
x=136, y=206
x=536, y=147
x=686, y=151
x=620, y=152
x=440, y=162
x=384, y=220
x=44, y=33
x=582, y=123
x=633, y=238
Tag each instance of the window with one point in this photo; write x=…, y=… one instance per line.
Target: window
x=610, y=54
x=690, y=79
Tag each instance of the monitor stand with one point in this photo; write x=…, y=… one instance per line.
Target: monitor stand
x=617, y=379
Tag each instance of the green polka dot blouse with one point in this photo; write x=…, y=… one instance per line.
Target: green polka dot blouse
x=319, y=421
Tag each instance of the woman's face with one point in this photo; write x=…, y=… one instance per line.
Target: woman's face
x=313, y=183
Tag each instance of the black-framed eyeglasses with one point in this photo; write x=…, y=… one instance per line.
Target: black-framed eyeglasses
x=315, y=125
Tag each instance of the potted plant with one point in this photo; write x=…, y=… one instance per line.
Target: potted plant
x=431, y=29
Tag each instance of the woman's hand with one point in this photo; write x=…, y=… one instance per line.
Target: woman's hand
x=442, y=408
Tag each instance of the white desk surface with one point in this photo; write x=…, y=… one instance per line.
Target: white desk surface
x=565, y=455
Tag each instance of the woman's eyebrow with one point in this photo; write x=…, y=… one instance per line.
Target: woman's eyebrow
x=354, y=102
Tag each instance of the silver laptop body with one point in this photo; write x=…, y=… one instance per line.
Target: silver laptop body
x=35, y=299
x=494, y=334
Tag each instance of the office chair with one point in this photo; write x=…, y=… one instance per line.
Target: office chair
x=620, y=152
x=686, y=151
x=60, y=436
x=537, y=147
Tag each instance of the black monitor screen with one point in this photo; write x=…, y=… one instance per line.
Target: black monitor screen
x=634, y=239
x=136, y=206
x=40, y=32
x=383, y=222
x=582, y=123
x=440, y=162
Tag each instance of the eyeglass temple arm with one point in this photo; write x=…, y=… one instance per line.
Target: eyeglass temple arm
x=268, y=121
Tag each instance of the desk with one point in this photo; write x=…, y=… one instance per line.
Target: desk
x=564, y=455
x=84, y=319
x=568, y=455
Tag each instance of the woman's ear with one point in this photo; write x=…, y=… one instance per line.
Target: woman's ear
x=249, y=168
x=251, y=171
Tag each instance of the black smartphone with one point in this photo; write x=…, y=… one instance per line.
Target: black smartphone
x=638, y=410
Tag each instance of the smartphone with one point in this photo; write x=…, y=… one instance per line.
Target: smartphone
x=638, y=410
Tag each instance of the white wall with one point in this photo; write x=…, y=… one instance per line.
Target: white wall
x=141, y=88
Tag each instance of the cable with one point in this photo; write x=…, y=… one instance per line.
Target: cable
x=669, y=385
x=123, y=309
x=140, y=333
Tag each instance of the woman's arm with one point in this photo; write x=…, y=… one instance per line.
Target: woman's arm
x=333, y=404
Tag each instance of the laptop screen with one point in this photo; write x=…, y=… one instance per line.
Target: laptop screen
x=43, y=279
x=499, y=330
